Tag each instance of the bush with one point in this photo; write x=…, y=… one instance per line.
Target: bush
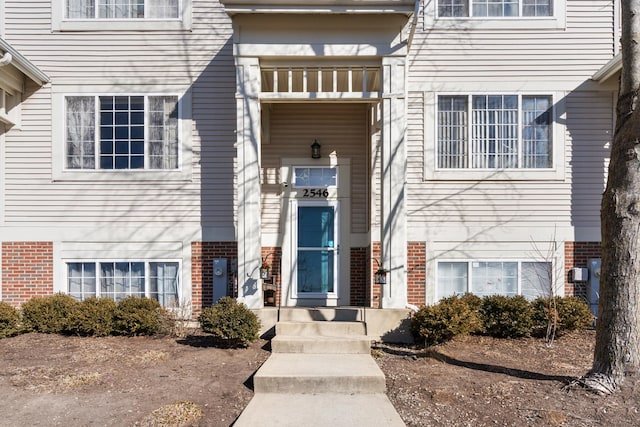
x=9, y=320
x=230, y=321
x=137, y=316
x=49, y=315
x=506, y=317
x=573, y=314
x=450, y=317
x=92, y=317
x=544, y=316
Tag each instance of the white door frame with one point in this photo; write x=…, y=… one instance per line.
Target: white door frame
x=293, y=197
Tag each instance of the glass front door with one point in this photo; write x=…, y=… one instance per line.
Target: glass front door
x=317, y=249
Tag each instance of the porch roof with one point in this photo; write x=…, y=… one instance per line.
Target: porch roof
x=405, y=7
x=23, y=64
x=610, y=69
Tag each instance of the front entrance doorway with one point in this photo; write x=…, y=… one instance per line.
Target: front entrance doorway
x=315, y=221
x=317, y=247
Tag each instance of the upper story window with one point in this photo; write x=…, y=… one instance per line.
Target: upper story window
x=121, y=132
x=494, y=8
x=122, y=9
x=494, y=132
x=120, y=15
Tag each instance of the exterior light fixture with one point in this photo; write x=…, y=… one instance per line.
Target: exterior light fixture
x=315, y=150
x=380, y=274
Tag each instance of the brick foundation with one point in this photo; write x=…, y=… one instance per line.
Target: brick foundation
x=416, y=272
x=359, y=289
x=576, y=254
x=27, y=271
x=202, y=255
x=273, y=257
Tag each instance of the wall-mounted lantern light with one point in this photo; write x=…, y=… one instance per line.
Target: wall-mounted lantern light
x=380, y=274
x=315, y=150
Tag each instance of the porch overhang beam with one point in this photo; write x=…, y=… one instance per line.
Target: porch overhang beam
x=404, y=7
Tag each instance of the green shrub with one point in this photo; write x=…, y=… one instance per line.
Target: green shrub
x=572, y=314
x=450, y=317
x=506, y=317
x=92, y=317
x=137, y=316
x=544, y=316
x=9, y=320
x=230, y=321
x=48, y=314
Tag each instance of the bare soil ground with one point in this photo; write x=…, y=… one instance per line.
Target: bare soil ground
x=53, y=380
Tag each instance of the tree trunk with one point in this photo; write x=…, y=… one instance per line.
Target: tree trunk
x=617, y=352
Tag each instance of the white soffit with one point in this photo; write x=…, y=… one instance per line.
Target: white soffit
x=23, y=64
x=405, y=7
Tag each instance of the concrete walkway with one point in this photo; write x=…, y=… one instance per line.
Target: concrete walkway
x=320, y=373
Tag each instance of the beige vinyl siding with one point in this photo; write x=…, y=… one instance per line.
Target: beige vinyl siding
x=571, y=54
x=574, y=201
x=339, y=128
x=200, y=60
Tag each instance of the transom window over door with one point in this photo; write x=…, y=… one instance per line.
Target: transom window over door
x=122, y=132
x=122, y=9
x=495, y=8
x=494, y=132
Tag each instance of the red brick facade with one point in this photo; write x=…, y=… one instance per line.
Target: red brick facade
x=27, y=271
x=416, y=272
x=360, y=291
x=272, y=256
x=202, y=255
x=576, y=254
x=376, y=255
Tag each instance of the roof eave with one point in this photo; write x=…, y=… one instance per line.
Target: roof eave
x=404, y=7
x=609, y=69
x=24, y=65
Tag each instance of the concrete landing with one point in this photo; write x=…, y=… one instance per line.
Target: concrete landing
x=319, y=373
x=317, y=410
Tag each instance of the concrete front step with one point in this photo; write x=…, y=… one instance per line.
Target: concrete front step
x=321, y=314
x=334, y=410
x=319, y=373
x=323, y=329
x=356, y=344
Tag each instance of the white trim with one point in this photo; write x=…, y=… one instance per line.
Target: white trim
x=556, y=22
x=431, y=172
x=59, y=171
x=60, y=23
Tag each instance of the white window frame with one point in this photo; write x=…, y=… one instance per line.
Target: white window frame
x=469, y=271
x=60, y=23
x=431, y=20
x=432, y=172
x=60, y=172
x=147, y=267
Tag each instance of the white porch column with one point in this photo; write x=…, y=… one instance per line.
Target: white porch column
x=248, y=176
x=394, y=167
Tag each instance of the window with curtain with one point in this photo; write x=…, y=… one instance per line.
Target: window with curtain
x=120, y=279
x=495, y=8
x=496, y=277
x=122, y=9
x=494, y=132
x=122, y=132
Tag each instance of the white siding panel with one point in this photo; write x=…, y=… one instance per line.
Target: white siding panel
x=339, y=128
x=574, y=201
x=200, y=60
x=573, y=54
